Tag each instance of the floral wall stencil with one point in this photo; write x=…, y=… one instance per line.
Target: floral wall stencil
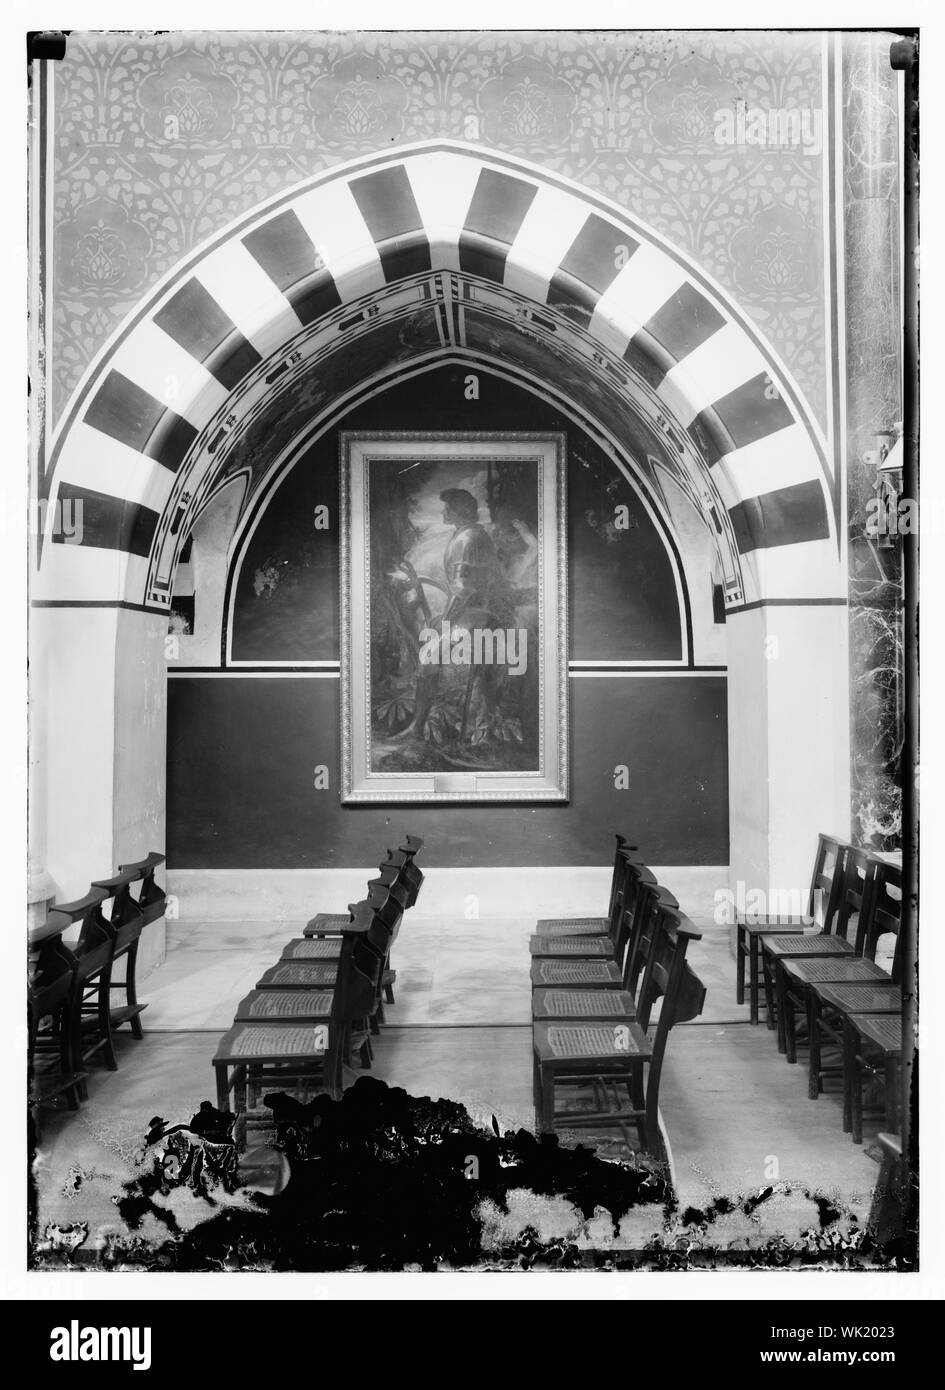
x=528, y=107
x=188, y=100
x=357, y=100
x=162, y=140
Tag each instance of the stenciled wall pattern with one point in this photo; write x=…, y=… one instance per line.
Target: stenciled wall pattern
x=162, y=140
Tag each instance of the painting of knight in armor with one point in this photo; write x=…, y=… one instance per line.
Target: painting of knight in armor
x=459, y=655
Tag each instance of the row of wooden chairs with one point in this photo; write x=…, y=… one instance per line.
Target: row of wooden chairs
x=826, y=987
x=319, y=1005
x=595, y=982
x=72, y=1013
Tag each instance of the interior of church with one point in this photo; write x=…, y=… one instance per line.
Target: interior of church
x=471, y=650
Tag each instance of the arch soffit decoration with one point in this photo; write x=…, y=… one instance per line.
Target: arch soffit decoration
x=469, y=240
x=625, y=464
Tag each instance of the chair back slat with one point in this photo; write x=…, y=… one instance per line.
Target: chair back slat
x=125, y=914
x=827, y=877
x=359, y=969
x=151, y=898
x=80, y=908
x=652, y=900
x=882, y=911
x=683, y=996
x=846, y=916
x=658, y=947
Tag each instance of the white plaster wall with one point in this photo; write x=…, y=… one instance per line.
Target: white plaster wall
x=80, y=646
x=140, y=768
x=788, y=740
x=272, y=895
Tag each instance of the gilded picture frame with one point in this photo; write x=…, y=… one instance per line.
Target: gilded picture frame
x=454, y=650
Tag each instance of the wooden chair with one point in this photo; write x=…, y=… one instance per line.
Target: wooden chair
x=572, y=972
x=89, y=1019
x=583, y=937
x=399, y=867
x=616, y=1004
x=49, y=996
x=852, y=986
x=311, y=964
x=832, y=940
x=825, y=885
x=655, y=898
x=404, y=860
x=300, y=1054
x=624, y=855
x=126, y=919
x=610, y=1059
x=872, y=1047
x=387, y=895
x=151, y=898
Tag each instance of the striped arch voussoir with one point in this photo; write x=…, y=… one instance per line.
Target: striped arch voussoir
x=143, y=424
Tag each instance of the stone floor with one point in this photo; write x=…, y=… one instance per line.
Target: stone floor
x=737, y=1116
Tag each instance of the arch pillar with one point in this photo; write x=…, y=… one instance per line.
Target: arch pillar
x=102, y=693
x=789, y=764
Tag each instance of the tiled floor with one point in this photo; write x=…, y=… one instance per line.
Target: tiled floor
x=447, y=972
x=737, y=1116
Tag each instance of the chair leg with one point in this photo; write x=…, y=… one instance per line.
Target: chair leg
x=131, y=989
x=753, y=963
x=65, y=1062
x=856, y=1125
x=105, y=1020
x=770, y=1015
x=651, y=1124
x=848, y=1052
x=814, y=1083
x=223, y=1092
x=72, y=1024
x=891, y=1093
x=740, y=965
x=786, y=1006
x=779, y=1006
x=546, y=1113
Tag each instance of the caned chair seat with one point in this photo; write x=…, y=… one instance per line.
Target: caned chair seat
x=583, y=1003
x=872, y=1045
x=810, y=944
x=298, y=975
x=326, y=922
x=840, y=970
x=770, y=928
x=564, y=973
x=572, y=926
x=252, y=1058
x=276, y=1005
x=884, y=1031
x=571, y=946
x=255, y=1042
x=303, y=948
x=860, y=998
x=590, y=1042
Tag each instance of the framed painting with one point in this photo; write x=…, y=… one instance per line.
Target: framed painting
x=454, y=617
